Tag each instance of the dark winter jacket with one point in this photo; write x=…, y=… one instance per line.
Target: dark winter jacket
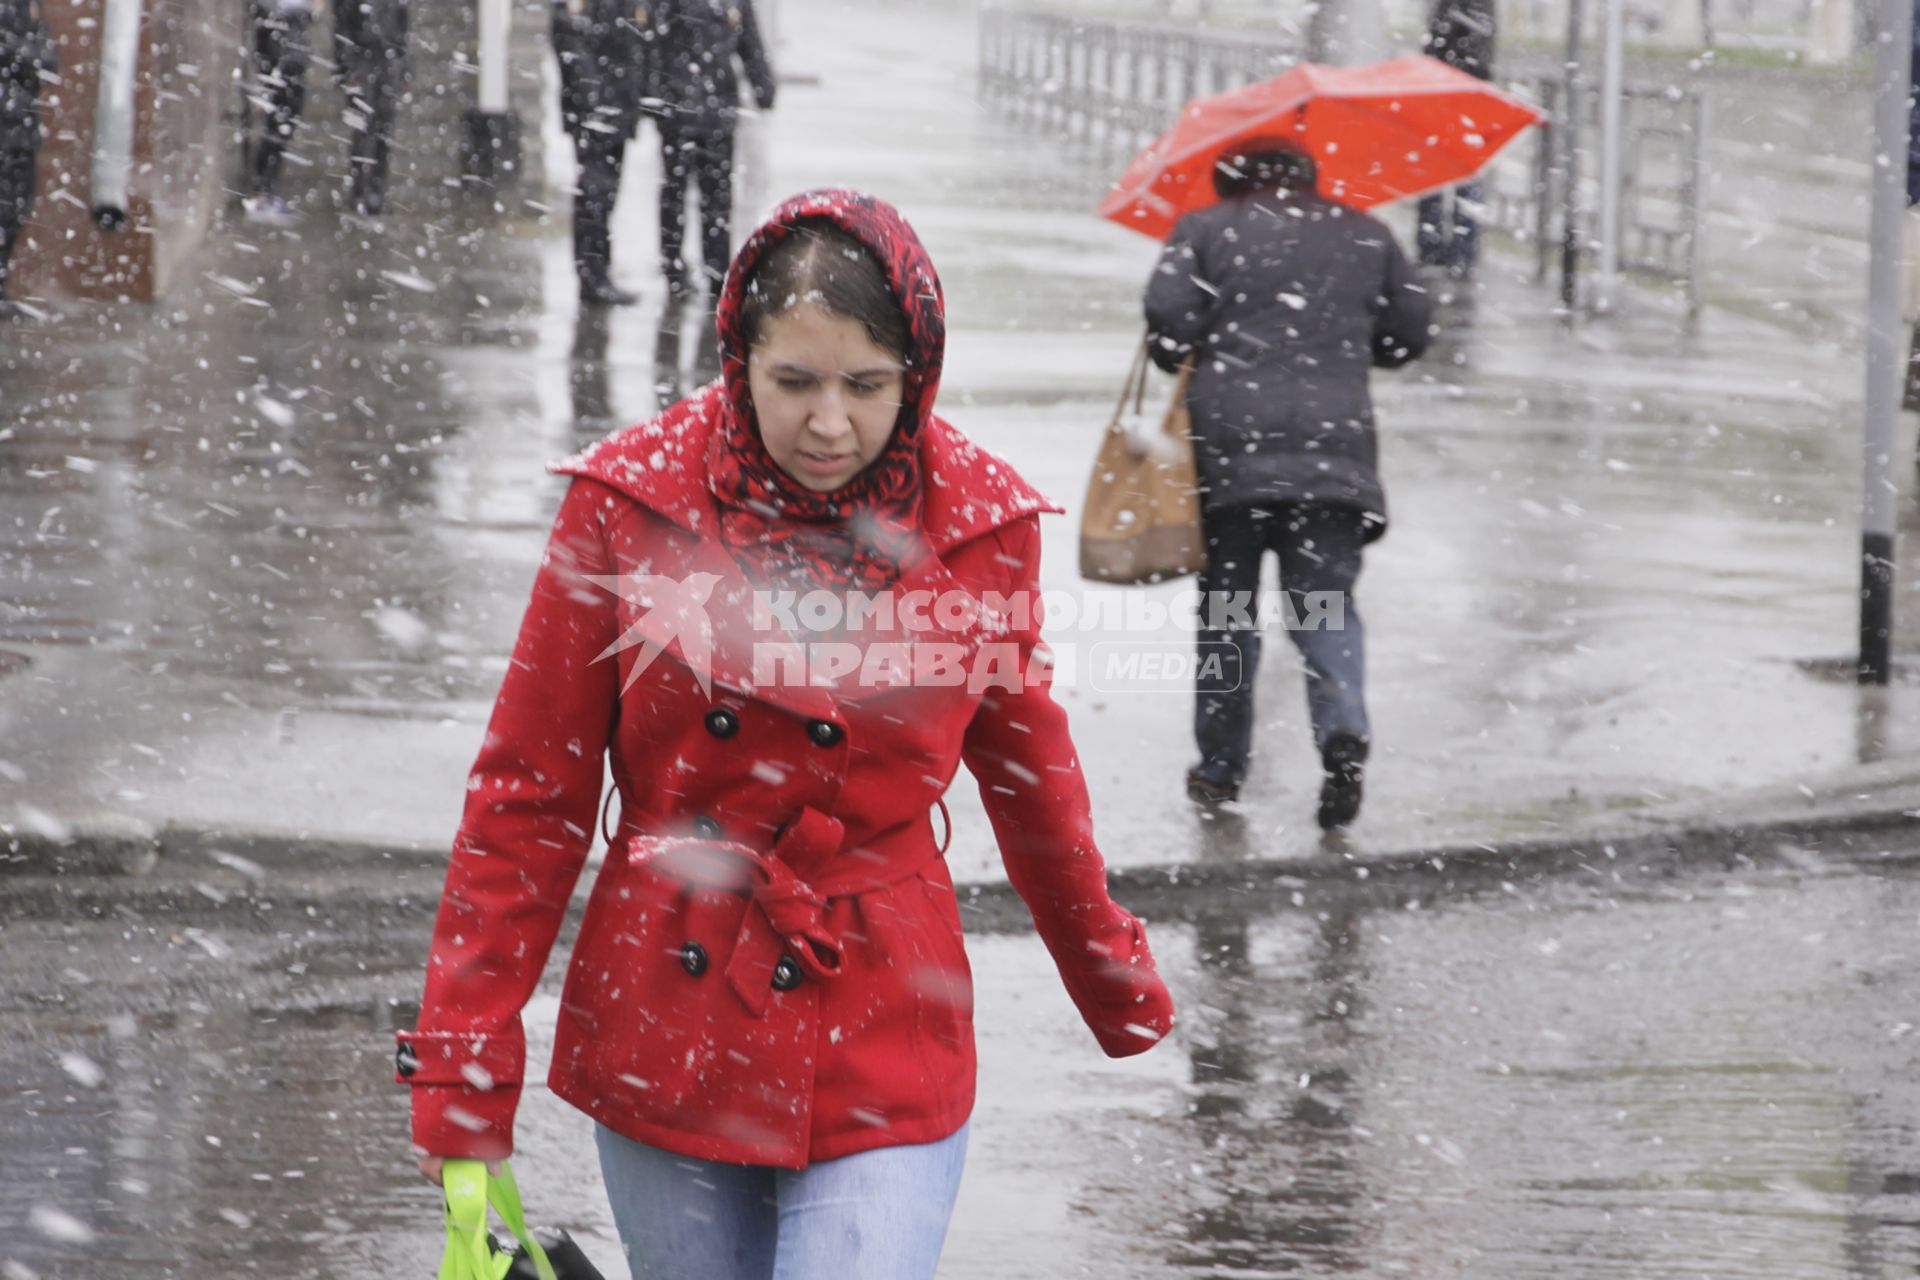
x=1460, y=33
x=694, y=46
x=602, y=50
x=370, y=40
x=1289, y=300
x=26, y=51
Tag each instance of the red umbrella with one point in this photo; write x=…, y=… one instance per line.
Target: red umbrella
x=1376, y=133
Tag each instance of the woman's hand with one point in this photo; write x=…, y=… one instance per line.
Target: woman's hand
x=430, y=1167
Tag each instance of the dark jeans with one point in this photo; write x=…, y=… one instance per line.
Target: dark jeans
x=1320, y=550
x=280, y=59
x=702, y=154
x=600, y=154
x=1449, y=234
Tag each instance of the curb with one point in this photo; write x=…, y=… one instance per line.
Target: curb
x=118, y=858
x=116, y=846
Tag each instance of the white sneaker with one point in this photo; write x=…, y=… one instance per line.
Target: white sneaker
x=270, y=211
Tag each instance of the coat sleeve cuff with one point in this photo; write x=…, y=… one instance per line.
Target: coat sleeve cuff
x=478, y=1060
x=1112, y=979
x=466, y=1088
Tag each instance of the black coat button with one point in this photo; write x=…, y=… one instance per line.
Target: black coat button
x=786, y=974
x=693, y=958
x=722, y=723
x=706, y=828
x=404, y=1062
x=825, y=733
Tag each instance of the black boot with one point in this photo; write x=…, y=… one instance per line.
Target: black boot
x=599, y=291
x=1202, y=789
x=1344, y=758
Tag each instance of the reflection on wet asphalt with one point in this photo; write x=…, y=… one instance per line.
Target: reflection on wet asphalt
x=1691, y=1075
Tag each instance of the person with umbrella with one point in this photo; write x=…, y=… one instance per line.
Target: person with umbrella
x=1285, y=300
x=1285, y=294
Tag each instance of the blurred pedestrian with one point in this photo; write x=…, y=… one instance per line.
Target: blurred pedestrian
x=696, y=44
x=1460, y=33
x=1285, y=300
x=602, y=53
x=280, y=59
x=26, y=54
x=370, y=52
x=768, y=1012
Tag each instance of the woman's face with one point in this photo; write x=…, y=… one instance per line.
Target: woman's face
x=825, y=394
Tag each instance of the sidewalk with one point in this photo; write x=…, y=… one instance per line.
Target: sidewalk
x=272, y=595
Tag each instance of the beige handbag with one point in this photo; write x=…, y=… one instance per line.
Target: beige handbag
x=1141, y=520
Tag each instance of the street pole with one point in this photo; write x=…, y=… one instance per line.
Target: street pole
x=1613, y=20
x=1570, y=232
x=1892, y=66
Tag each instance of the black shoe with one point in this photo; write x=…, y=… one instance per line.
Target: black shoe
x=605, y=293
x=1344, y=759
x=1204, y=790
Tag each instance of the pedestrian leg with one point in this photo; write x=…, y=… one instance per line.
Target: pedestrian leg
x=376, y=106
x=1432, y=231
x=715, y=170
x=17, y=174
x=280, y=56
x=878, y=1213
x=600, y=154
x=1227, y=650
x=676, y=157
x=1320, y=552
x=681, y=1218
x=1466, y=226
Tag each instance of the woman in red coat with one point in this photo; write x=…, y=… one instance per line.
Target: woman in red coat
x=784, y=612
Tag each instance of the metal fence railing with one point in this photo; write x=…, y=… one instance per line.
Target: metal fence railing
x=1118, y=85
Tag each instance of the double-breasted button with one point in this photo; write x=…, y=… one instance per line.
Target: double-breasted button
x=722, y=723
x=786, y=974
x=693, y=958
x=404, y=1062
x=706, y=828
x=825, y=733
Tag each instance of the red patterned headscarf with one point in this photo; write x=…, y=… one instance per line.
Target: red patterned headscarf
x=865, y=534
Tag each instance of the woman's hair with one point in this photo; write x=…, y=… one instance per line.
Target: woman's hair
x=821, y=264
x=1262, y=164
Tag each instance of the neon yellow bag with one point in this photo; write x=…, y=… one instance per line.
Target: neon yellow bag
x=470, y=1253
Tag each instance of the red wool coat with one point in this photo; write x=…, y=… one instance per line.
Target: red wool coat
x=770, y=969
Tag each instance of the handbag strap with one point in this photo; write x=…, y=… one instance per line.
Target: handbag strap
x=1135, y=385
x=469, y=1190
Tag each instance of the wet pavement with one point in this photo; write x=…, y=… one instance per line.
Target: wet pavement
x=270, y=539
x=1696, y=1068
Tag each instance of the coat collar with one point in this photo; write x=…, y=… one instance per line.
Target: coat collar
x=661, y=464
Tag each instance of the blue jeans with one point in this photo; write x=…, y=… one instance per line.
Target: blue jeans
x=880, y=1213
x=1449, y=234
x=1320, y=551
